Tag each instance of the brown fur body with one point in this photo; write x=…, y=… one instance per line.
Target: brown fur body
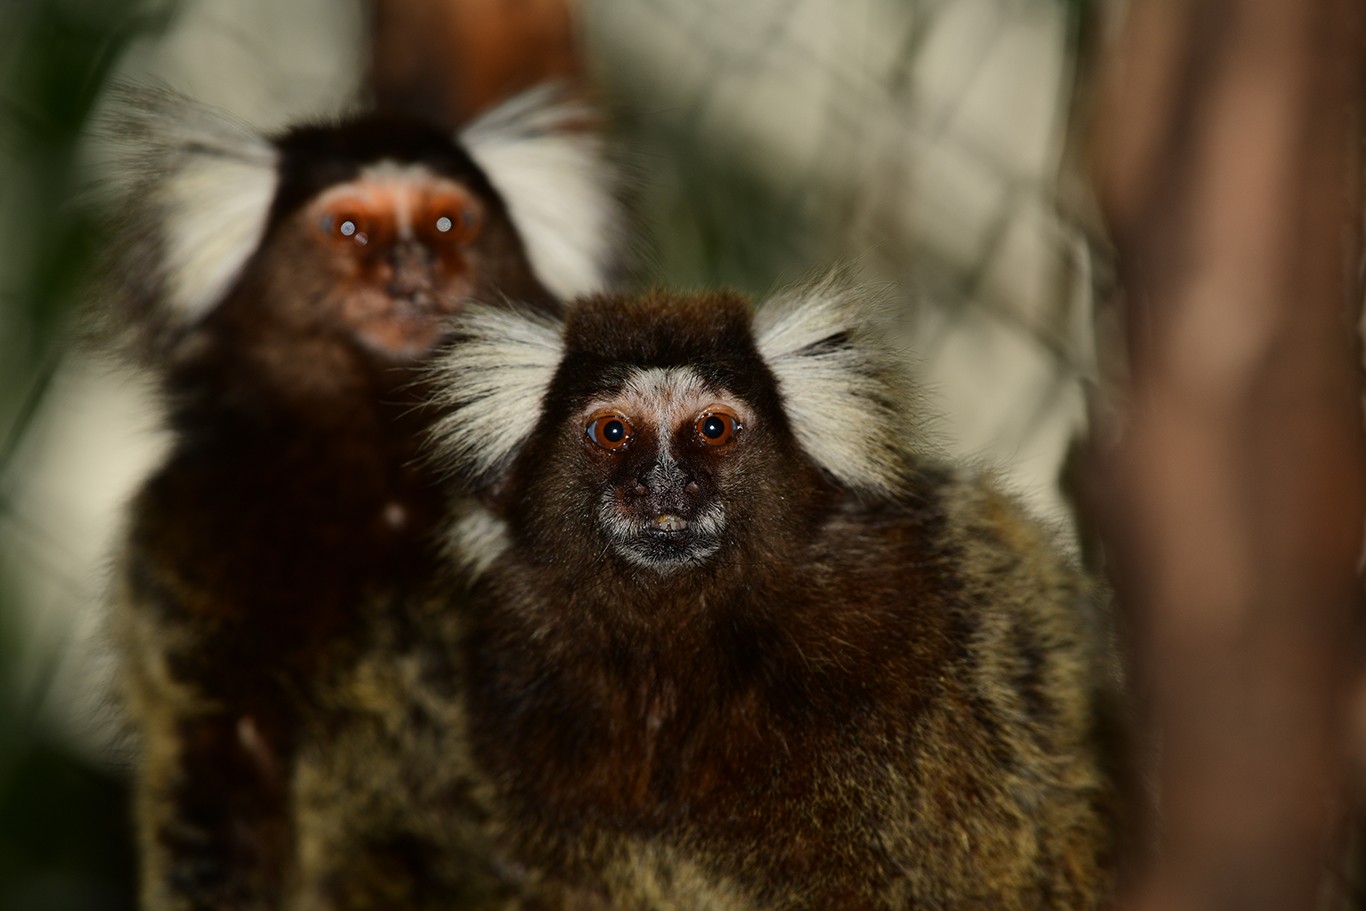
x=290, y=522
x=860, y=700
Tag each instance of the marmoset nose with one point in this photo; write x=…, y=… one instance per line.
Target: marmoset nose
x=411, y=267
x=665, y=488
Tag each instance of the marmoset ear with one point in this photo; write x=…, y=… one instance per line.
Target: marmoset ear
x=844, y=389
x=194, y=188
x=494, y=379
x=543, y=154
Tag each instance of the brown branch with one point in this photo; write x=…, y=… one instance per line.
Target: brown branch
x=447, y=60
x=1228, y=161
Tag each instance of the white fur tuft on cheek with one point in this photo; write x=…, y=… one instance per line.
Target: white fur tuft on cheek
x=555, y=177
x=477, y=540
x=844, y=392
x=494, y=379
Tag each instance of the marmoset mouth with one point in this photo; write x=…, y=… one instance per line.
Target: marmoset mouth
x=406, y=327
x=668, y=524
x=663, y=538
x=666, y=548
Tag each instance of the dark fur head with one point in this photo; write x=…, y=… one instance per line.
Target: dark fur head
x=667, y=432
x=380, y=229
x=373, y=228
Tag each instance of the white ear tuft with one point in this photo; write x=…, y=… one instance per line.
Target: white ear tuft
x=541, y=153
x=842, y=387
x=494, y=378
x=196, y=188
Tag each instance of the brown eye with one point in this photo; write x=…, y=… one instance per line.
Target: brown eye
x=460, y=225
x=345, y=227
x=452, y=216
x=610, y=431
x=716, y=428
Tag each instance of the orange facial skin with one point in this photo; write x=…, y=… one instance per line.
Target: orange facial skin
x=402, y=245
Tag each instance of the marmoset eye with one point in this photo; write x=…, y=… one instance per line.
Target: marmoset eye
x=610, y=431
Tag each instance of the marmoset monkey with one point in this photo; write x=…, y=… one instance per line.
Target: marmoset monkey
x=732, y=642
x=287, y=291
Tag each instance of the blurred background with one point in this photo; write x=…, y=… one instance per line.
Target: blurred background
x=937, y=143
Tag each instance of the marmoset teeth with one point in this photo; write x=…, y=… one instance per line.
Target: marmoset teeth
x=669, y=522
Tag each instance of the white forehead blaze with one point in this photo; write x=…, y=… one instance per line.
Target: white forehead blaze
x=665, y=398
x=403, y=183
x=390, y=186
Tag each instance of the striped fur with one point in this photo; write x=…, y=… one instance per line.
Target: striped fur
x=840, y=382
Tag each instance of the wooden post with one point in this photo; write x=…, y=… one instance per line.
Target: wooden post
x=450, y=59
x=1229, y=162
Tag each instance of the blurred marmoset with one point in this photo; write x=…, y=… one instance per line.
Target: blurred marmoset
x=286, y=292
x=732, y=642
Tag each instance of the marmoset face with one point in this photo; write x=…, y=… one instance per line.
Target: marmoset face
x=382, y=233
x=666, y=433
x=665, y=449
x=393, y=254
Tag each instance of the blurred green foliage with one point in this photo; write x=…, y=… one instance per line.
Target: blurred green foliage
x=64, y=836
x=57, y=57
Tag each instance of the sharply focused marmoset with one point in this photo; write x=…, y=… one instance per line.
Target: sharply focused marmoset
x=732, y=642
x=286, y=292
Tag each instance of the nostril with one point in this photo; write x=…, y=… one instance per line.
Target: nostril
x=640, y=489
x=409, y=255
x=692, y=487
